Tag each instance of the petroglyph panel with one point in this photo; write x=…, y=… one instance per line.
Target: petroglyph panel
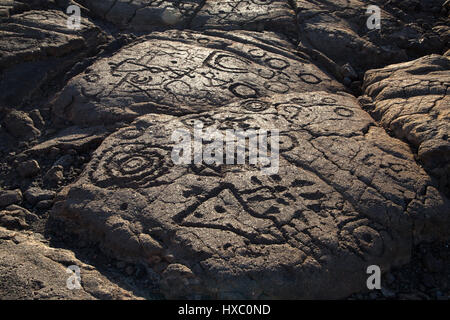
x=179, y=72
x=346, y=196
x=258, y=15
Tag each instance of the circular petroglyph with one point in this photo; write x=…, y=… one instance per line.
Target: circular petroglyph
x=276, y=87
x=140, y=79
x=266, y=73
x=257, y=53
x=328, y=100
x=309, y=78
x=344, y=112
x=130, y=165
x=244, y=91
x=278, y=64
x=256, y=105
x=227, y=62
x=369, y=240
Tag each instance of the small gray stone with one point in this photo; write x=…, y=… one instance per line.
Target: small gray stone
x=20, y=125
x=54, y=175
x=34, y=195
x=44, y=204
x=28, y=168
x=65, y=161
x=348, y=71
x=8, y=197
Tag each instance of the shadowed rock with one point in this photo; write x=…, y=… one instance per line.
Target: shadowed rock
x=255, y=15
x=145, y=15
x=338, y=29
x=35, y=47
x=346, y=196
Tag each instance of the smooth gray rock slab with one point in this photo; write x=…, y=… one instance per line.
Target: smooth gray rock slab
x=346, y=196
x=180, y=72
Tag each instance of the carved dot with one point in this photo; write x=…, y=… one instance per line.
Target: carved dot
x=220, y=209
x=198, y=215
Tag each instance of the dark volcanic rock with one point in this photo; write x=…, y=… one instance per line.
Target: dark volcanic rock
x=34, y=195
x=30, y=269
x=20, y=125
x=91, y=114
x=180, y=72
x=411, y=100
x=35, y=47
x=339, y=30
x=258, y=15
x=8, y=197
x=346, y=196
x=145, y=15
x=28, y=168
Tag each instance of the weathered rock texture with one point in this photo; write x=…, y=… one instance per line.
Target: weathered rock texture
x=30, y=269
x=338, y=29
x=273, y=15
x=411, y=100
x=356, y=184
x=145, y=15
x=346, y=196
x=180, y=72
x=35, y=47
